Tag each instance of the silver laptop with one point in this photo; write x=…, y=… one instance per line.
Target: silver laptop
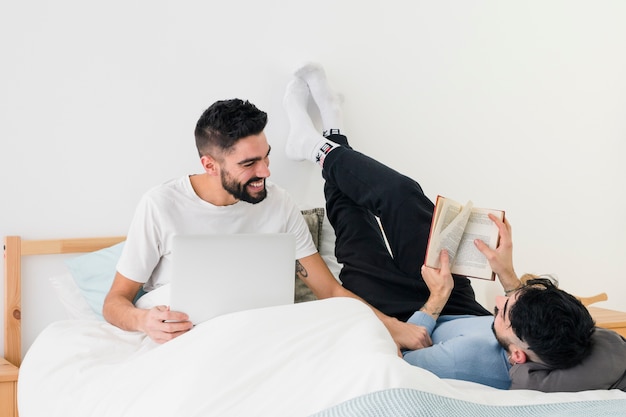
x=219, y=274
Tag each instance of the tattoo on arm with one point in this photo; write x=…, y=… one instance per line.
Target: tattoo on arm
x=301, y=271
x=435, y=313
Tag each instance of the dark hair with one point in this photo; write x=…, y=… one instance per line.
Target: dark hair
x=554, y=324
x=225, y=122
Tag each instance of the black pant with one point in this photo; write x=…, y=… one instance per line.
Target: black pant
x=357, y=188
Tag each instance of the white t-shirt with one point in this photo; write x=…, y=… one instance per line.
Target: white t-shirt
x=174, y=208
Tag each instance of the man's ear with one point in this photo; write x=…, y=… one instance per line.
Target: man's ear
x=517, y=354
x=210, y=165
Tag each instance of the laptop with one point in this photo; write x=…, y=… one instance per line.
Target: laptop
x=214, y=275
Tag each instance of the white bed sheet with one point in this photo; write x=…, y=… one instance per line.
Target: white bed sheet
x=281, y=361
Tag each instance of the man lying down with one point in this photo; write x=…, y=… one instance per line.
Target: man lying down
x=539, y=338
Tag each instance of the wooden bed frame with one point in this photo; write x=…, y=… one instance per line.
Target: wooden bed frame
x=14, y=249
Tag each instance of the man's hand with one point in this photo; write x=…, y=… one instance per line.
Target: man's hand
x=162, y=325
x=501, y=259
x=440, y=284
x=439, y=281
x=159, y=323
x=407, y=335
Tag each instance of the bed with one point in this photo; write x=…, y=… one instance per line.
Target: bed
x=322, y=357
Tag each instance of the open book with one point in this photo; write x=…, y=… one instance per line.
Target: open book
x=454, y=228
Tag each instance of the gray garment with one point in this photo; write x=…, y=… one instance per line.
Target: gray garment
x=604, y=368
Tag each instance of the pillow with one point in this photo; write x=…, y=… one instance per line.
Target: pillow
x=602, y=369
x=327, y=248
x=71, y=298
x=93, y=273
x=314, y=219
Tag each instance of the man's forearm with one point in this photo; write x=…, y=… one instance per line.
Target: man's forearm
x=122, y=313
x=509, y=281
x=434, y=306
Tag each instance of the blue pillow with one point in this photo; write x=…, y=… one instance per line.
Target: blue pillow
x=94, y=273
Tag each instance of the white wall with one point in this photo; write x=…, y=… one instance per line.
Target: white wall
x=515, y=105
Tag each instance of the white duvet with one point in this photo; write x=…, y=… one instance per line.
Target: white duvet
x=281, y=361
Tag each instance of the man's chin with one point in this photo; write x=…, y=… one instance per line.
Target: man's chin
x=255, y=198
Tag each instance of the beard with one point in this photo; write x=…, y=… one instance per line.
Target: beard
x=501, y=341
x=240, y=191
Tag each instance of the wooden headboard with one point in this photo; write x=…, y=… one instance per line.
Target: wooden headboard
x=14, y=248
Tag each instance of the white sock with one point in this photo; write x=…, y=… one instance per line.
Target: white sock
x=328, y=102
x=322, y=149
x=303, y=141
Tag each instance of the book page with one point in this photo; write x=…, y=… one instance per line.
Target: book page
x=452, y=221
x=451, y=236
x=469, y=261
